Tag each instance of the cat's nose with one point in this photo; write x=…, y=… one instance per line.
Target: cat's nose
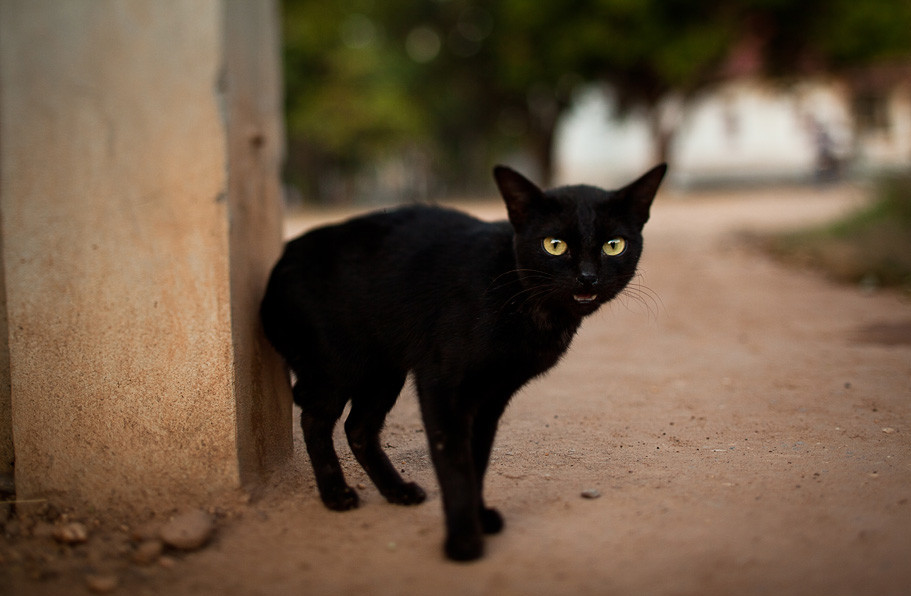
x=587, y=278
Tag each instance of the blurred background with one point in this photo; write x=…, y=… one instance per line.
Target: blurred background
x=400, y=100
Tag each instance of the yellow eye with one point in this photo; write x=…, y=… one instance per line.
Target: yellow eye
x=554, y=246
x=614, y=247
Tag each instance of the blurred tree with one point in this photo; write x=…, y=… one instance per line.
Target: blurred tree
x=444, y=87
x=809, y=36
x=645, y=50
x=378, y=82
x=865, y=44
x=346, y=97
x=466, y=80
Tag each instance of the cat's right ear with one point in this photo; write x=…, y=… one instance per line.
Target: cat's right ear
x=518, y=193
x=640, y=194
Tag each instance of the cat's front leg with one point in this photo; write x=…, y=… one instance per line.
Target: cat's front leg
x=483, y=433
x=448, y=432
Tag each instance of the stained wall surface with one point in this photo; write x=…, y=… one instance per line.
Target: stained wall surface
x=135, y=236
x=253, y=106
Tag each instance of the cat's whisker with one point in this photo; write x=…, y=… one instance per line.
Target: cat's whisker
x=531, y=293
x=542, y=293
x=646, y=292
x=522, y=274
x=644, y=296
x=534, y=292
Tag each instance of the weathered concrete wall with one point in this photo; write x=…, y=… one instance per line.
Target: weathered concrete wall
x=6, y=404
x=134, y=242
x=255, y=148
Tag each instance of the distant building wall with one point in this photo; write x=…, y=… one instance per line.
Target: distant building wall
x=885, y=142
x=140, y=151
x=750, y=132
x=743, y=131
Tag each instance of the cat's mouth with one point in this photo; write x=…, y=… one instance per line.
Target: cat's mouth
x=585, y=298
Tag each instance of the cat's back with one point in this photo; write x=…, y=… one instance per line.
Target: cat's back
x=389, y=242
x=383, y=275
x=375, y=259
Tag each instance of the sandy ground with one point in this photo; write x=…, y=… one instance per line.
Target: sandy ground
x=747, y=426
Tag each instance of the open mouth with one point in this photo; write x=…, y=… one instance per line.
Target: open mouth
x=585, y=298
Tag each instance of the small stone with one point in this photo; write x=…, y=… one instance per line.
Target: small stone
x=888, y=430
x=71, y=533
x=147, y=552
x=147, y=531
x=101, y=584
x=591, y=493
x=188, y=531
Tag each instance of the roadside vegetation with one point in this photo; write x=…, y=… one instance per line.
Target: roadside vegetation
x=871, y=247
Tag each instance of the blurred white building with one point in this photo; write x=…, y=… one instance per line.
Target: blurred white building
x=743, y=132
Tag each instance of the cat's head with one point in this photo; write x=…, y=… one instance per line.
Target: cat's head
x=577, y=246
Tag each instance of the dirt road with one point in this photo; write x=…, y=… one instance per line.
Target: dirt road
x=747, y=426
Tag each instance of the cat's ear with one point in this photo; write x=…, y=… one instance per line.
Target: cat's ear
x=518, y=193
x=639, y=195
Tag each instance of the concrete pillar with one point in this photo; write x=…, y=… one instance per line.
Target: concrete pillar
x=140, y=145
x=6, y=404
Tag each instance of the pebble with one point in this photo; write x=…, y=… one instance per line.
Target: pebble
x=188, y=531
x=147, y=531
x=71, y=533
x=101, y=584
x=591, y=493
x=888, y=430
x=147, y=552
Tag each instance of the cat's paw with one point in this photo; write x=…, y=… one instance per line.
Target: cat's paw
x=408, y=493
x=464, y=547
x=491, y=521
x=341, y=500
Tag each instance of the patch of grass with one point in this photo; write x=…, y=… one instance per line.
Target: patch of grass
x=871, y=247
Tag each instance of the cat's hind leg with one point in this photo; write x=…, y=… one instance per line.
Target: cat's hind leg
x=369, y=406
x=321, y=407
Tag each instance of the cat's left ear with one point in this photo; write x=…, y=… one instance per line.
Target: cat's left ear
x=639, y=194
x=518, y=193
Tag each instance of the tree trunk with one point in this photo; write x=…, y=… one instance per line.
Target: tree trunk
x=662, y=135
x=542, y=148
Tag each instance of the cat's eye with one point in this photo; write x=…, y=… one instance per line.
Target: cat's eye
x=554, y=246
x=614, y=247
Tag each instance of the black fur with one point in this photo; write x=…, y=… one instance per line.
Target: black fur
x=474, y=309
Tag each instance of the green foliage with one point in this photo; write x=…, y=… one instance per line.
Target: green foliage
x=463, y=82
x=871, y=246
x=346, y=92
x=851, y=32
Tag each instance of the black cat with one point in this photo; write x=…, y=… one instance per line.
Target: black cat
x=474, y=309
